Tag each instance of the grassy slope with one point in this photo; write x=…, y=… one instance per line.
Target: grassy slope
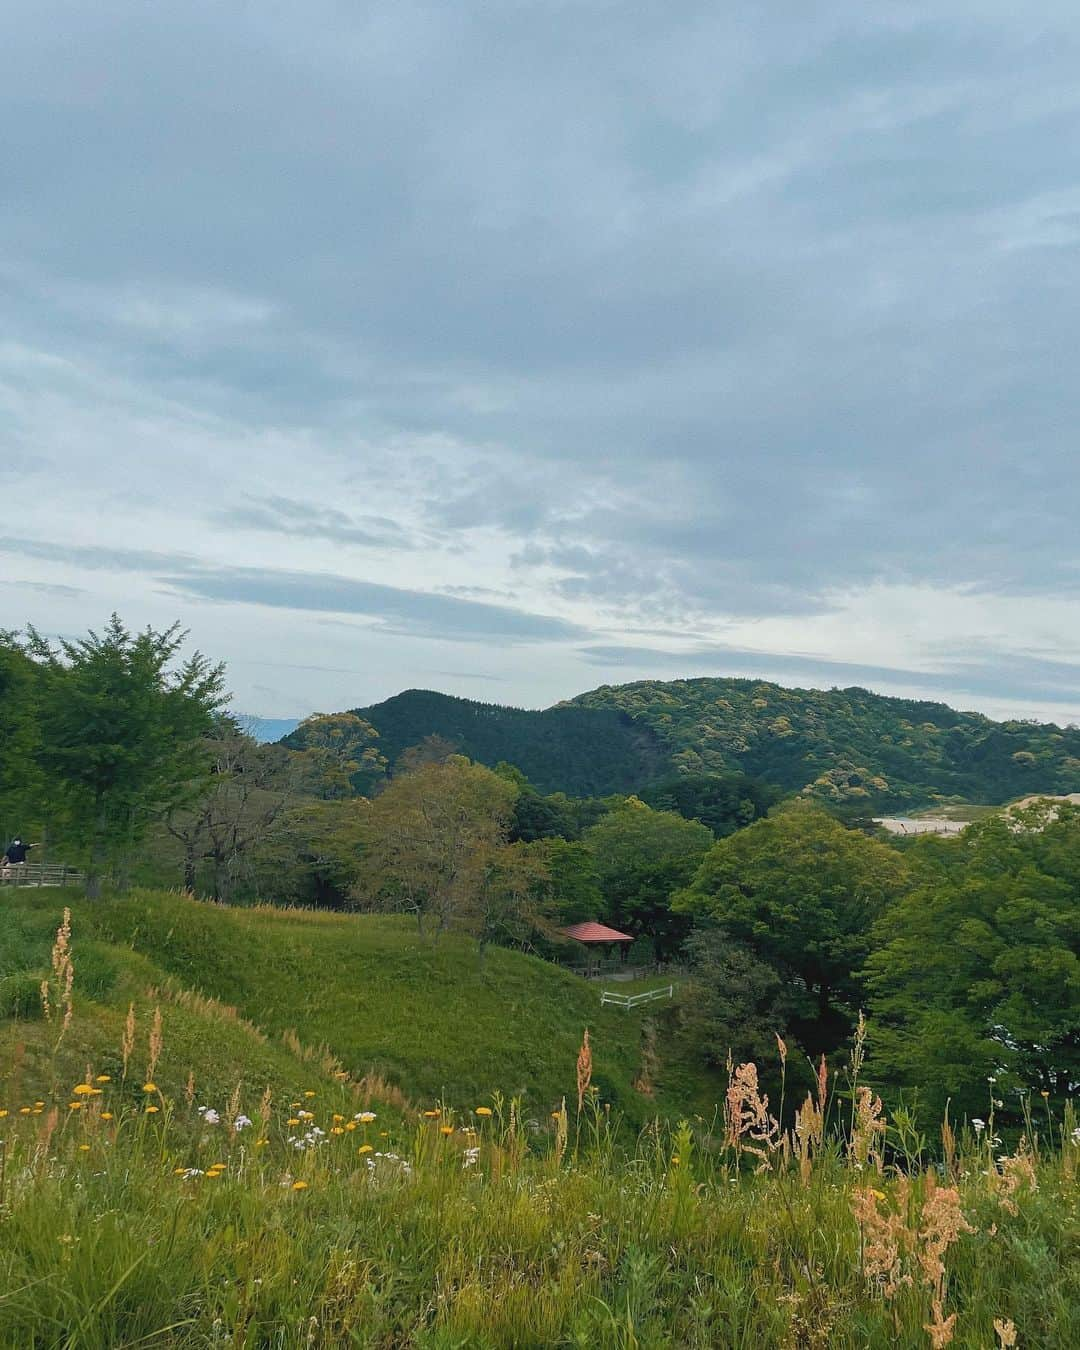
x=432, y=1021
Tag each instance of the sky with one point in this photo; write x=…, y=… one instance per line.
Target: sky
x=513, y=349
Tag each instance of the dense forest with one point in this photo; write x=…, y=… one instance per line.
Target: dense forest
x=845, y=746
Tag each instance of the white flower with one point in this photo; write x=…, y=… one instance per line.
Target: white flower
x=978, y=1125
x=209, y=1115
x=1075, y=1136
x=241, y=1123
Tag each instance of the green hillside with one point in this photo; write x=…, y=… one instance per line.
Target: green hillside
x=432, y=1023
x=589, y=752
x=843, y=745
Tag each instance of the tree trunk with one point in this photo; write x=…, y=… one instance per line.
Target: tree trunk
x=189, y=867
x=97, y=857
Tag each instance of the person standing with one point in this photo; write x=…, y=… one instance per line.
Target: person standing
x=15, y=854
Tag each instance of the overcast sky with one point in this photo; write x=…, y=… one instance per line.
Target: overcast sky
x=514, y=348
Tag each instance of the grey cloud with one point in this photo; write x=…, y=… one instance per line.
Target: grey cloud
x=97, y=557
x=721, y=308
x=307, y=520
x=410, y=613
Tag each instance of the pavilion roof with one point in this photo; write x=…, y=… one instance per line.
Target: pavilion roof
x=594, y=932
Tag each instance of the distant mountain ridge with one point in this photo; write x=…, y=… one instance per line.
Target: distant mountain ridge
x=842, y=745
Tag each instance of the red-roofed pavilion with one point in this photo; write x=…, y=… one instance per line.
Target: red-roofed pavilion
x=599, y=938
x=594, y=932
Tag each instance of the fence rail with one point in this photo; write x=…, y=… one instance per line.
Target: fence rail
x=40, y=874
x=629, y=1001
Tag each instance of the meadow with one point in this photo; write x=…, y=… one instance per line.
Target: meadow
x=144, y=1201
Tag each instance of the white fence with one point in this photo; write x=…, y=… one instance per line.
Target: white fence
x=629, y=1001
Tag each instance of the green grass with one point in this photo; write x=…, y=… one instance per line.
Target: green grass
x=436, y=1022
x=129, y=1219
x=123, y=1233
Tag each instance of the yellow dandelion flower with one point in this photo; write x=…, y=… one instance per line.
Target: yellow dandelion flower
x=82, y=1090
x=212, y=1174
x=337, y=1118
x=179, y=1171
x=555, y=1115
x=149, y=1087
x=365, y=1148
x=350, y=1125
x=384, y=1134
x=3, y=1114
x=84, y=1148
x=309, y=1093
x=878, y=1195
x=25, y=1110
x=151, y=1110
x=72, y=1106
x=106, y=1115
x=366, y=1117
x=37, y=1111
x=446, y=1129
x=261, y=1143
x=103, y=1078
x=300, y=1185
x=39, y=1103
x=432, y=1115
x=336, y=1129
x=292, y=1121
x=483, y=1110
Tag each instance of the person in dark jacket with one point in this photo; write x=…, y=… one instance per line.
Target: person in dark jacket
x=15, y=854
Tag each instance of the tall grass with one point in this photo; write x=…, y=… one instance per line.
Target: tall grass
x=131, y=1219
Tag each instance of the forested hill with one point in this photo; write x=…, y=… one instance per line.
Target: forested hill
x=845, y=745
x=583, y=751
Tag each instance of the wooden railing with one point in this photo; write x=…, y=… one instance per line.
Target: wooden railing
x=40, y=874
x=629, y=1001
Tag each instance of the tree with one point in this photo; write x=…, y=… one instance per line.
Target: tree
x=723, y=801
x=247, y=789
x=341, y=751
x=122, y=730
x=427, y=838
x=739, y=1005
x=802, y=893
x=642, y=858
x=571, y=883
x=976, y=972
x=20, y=774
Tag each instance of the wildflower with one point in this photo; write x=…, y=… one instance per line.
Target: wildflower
x=103, y=1078
x=1044, y=1094
x=446, y=1129
x=432, y=1115
x=336, y=1129
x=72, y=1106
x=261, y=1143
x=209, y=1115
x=2, y=1114
x=82, y=1090
x=306, y=1115
x=350, y=1124
x=878, y=1195
x=300, y=1185
x=364, y=1117
x=483, y=1110
x=241, y=1123
x=106, y=1115
x=84, y=1148
x=555, y=1115
x=978, y=1125
x=151, y=1109
x=292, y=1121
x=149, y=1087
x=337, y=1118
x=469, y=1157
x=364, y=1148
x=179, y=1171
x=309, y=1094
x=25, y=1110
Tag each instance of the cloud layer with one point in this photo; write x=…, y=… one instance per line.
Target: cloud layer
x=625, y=339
